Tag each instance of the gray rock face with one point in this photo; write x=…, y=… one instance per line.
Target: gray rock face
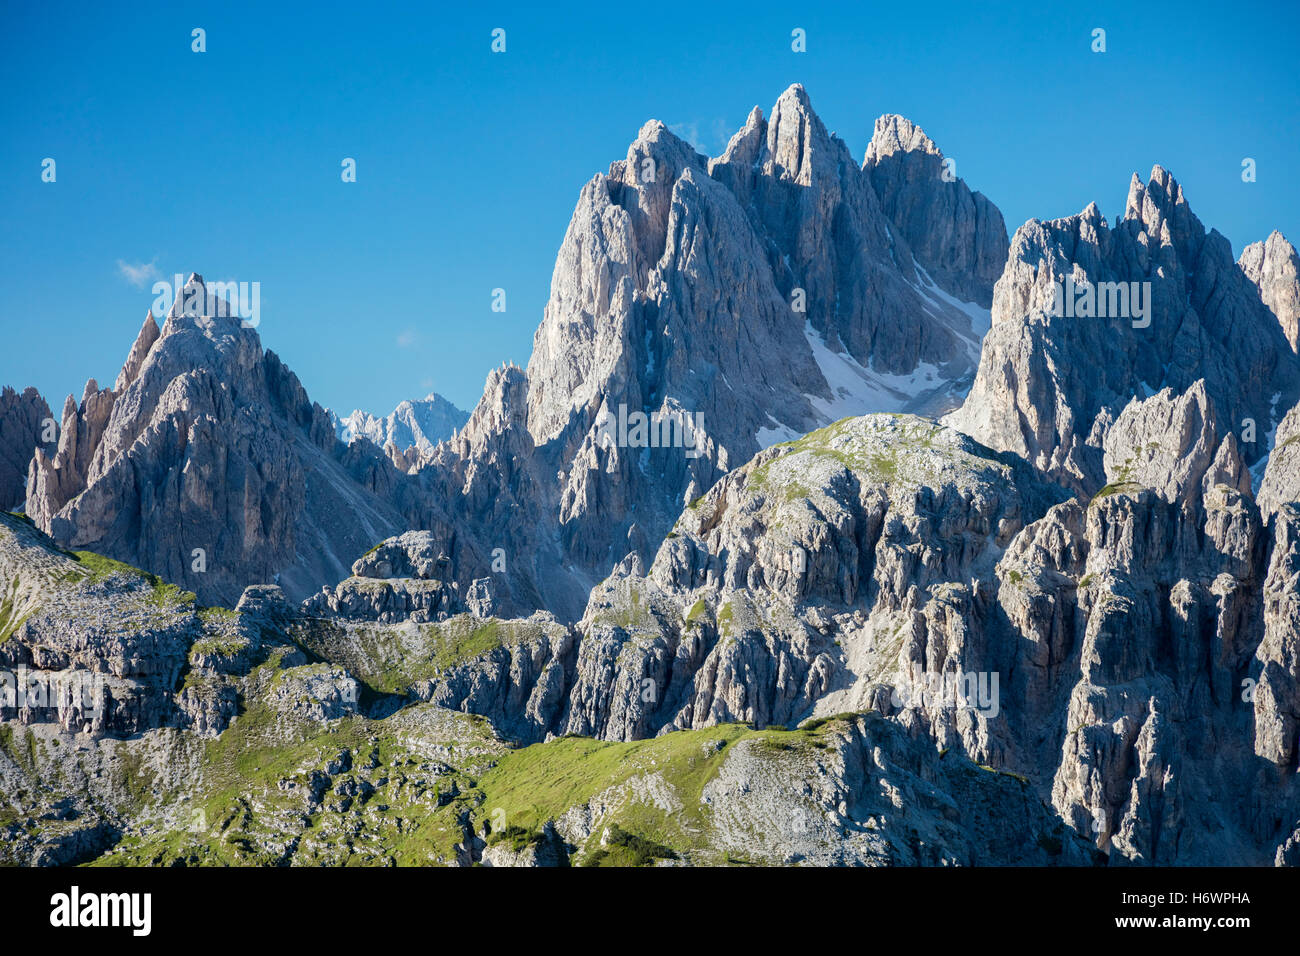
x=207, y=464
x=319, y=692
x=21, y=427
x=1168, y=444
x=958, y=236
x=1132, y=657
x=418, y=424
x=806, y=583
x=96, y=648
x=367, y=599
x=1049, y=385
x=1277, y=697
x=868, y=768
x=513, y=672
x=99, y=647
x=1274, y=268
x=415, y=554
x=740, y=300
x=406, y=578
x=1281, y=481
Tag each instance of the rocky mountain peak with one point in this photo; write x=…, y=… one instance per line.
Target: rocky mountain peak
x=412, y=429
x=897, y=134
x=144, y=341
x=504, y=403
x=956, y=235
x=798, y=145
x=758, y=294
x=1155, y=302
x=203, y=425
x=1161, y=210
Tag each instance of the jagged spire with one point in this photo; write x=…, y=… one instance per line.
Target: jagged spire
x=144, y=342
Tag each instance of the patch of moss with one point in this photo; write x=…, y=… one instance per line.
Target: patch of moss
x=219, y=646
x=814, y=724
x=1116, y=488
x=383, y=658
x=1005, y=773
x=1051, y=844
x=517, y=838
x=99, y=568
x=622, y=848
x=10, y=619
x=912, y=435
x=539, y=783
x=216, y=615
x=696, y=612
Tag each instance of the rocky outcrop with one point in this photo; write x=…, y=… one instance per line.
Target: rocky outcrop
x=810, y=581
x=1281, y=479
x=23, y=420
x=90, y=645
x=318, y=692
x=1277, y=696
x=406, y=578
x=1274, y=268
x=1170, y=444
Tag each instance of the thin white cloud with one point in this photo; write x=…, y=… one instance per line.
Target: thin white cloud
x=141, y=274
x=406, y=338
x=689, y=132
x=708, y=136
x=722, y=133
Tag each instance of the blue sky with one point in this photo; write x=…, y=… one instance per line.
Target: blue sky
x=469, y=162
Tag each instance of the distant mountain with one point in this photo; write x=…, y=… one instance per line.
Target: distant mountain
x=418, y=424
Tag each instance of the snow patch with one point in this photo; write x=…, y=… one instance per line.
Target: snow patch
x=858, y=390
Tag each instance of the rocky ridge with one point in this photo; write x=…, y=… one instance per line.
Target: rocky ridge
x=749, y=298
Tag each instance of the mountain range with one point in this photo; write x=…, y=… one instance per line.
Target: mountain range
x=940, y=547
x=412, y=427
